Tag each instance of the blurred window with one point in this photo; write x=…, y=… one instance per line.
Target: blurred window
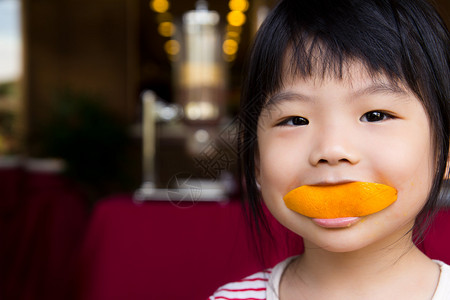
x=10, y=74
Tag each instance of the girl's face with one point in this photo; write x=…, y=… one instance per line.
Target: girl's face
x=328, y=131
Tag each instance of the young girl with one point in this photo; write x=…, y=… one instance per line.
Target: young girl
x=338, y=92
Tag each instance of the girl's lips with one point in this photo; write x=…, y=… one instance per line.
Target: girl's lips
x=336, y=223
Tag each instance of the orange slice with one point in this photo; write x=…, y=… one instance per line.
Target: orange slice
x=355, y=199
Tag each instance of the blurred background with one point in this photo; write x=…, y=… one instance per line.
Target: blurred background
x=78, y=82
x=72, y=79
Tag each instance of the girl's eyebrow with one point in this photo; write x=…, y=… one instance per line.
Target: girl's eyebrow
x=372, y=88
x=380, y=88
x=285, y=96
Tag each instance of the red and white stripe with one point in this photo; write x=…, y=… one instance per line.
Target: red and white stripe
x=250, y=288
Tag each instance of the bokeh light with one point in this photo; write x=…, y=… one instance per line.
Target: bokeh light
x=230, y=47
x=236, y=18
x=238, y=5
x=160, y=6
x=172, y=47
x=166, y=29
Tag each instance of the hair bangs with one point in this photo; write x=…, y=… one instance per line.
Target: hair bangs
x=318, y=48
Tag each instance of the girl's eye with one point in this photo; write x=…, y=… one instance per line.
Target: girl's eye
x=375, y=116
x=294, y=121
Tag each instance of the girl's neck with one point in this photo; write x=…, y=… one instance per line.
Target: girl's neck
x=365, y=273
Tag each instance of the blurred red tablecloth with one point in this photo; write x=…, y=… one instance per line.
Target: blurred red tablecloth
x=157, y=250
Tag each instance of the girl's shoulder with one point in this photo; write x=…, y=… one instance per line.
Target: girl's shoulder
x=259, y=286
x=443, y=287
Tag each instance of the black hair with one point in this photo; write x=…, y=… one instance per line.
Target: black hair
x=405, y=40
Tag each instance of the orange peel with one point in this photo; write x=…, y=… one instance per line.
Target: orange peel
x=354, y=199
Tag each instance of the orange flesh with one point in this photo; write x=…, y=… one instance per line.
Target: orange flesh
x=355, y=199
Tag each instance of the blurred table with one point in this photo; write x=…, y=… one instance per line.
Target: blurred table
x=159, y=250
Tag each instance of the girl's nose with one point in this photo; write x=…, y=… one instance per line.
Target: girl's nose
x=334, y=146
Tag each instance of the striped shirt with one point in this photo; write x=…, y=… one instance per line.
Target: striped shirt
x=260, y=286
